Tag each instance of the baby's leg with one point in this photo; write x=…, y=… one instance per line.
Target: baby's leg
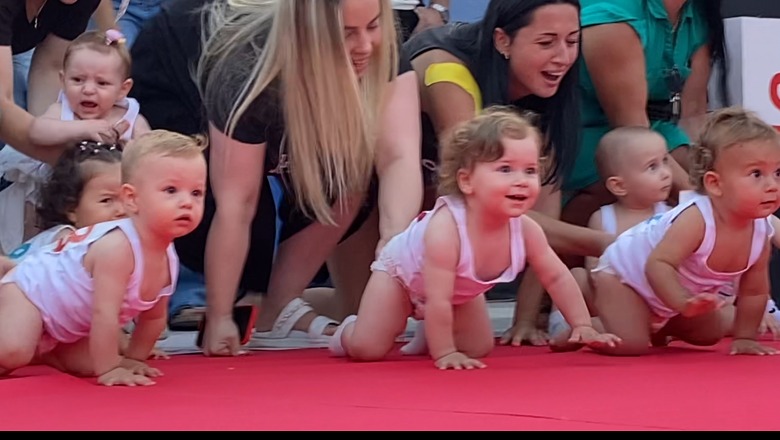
x=381, y=318
x=472, y=328
x=21, y=327
x=74, y=359
x=623, y=313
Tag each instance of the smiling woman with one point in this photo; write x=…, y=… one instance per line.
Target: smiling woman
x=523, y=53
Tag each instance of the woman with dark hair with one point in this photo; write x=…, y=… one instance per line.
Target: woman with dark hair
x=645, y=63
x=523, y=53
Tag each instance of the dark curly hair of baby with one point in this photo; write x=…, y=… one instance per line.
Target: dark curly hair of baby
x=62, y=191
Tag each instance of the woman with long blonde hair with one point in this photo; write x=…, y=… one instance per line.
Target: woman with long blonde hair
x=304, y=105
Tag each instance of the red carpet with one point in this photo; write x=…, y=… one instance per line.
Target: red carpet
x=678, y=388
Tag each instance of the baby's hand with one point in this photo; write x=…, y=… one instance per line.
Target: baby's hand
x=158, y=354
x=458, y=361
x=701, y=304
x=138, y=367
x=123, y=376
x=749, y=346
x=589, y=336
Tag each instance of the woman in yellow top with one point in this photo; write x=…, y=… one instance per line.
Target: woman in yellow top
x=523, y=53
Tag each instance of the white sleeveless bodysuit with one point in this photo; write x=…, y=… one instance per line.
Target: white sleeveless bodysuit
x=56, y=282
x=402, y=257
x=609, y=218
x=626, y=257
x=132, y=106
x=38, y=242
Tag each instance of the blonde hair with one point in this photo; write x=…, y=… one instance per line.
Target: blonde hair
x=480, y=140
x=159, y=143
x=330, y=115
x=100, y=43
x=725, y=128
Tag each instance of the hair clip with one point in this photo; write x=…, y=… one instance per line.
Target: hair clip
x=114, y=36
x=94, y=147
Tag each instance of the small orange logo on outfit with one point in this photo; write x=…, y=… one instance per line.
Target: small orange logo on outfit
x=76, y=237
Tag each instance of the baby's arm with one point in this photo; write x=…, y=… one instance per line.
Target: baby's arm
x=148, y=329
x=442, y=249
x=753, y=293
x=49, y=130
x=681, y=240
x=593, y=223
x=554, y=276
x=110, y=261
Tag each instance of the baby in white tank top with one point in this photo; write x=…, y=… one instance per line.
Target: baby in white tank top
x=662, y=277
x=633, y=163
x=477, y=235
x=65, y=304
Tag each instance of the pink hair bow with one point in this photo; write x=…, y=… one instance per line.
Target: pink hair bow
x=114, y=36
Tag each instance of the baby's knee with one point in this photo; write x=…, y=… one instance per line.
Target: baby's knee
x=366, y=349
x=15, y=354
x=481, y=348
x=367, y=352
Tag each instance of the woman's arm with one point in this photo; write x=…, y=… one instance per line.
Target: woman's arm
x=446, y=103
x=104, y=15
x=14, y=121
x=694, y=93
x=615, y=60
x=44, y=80
x=236, y=176
x=398, y=159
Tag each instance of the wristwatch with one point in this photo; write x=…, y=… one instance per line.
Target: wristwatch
x=445, y=13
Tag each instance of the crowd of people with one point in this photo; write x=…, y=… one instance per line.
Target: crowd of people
x=348, y=165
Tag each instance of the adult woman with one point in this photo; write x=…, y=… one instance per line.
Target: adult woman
x=299, y=108
x=646, y=63
x=523, y=52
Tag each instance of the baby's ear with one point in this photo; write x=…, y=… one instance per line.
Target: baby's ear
x=127, y=85
x=464, y=181
x=71, y=215
x=711, y=181
x=616, y=186
x=129, y=198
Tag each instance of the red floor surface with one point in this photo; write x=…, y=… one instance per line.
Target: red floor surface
x=678, y=388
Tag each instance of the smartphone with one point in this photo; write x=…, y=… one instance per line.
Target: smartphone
x=243, y=316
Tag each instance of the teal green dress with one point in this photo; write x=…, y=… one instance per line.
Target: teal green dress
x=664, y=49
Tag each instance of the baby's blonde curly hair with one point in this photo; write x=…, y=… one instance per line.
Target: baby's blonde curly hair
x=479, y=140
x=725, y=128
